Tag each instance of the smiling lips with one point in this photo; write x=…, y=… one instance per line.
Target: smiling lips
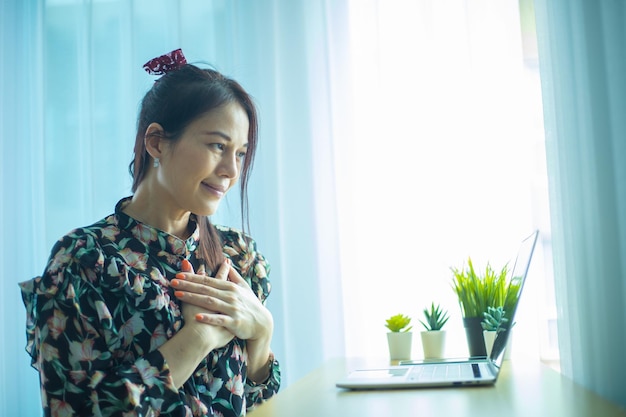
x=218, y=190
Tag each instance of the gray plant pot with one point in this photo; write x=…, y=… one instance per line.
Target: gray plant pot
x=474, y=335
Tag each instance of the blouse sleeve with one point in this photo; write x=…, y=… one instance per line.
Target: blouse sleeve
x=67, y=325
x=257, y=393
x=253, y=266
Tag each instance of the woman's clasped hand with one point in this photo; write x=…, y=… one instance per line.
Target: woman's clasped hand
x=225, y=300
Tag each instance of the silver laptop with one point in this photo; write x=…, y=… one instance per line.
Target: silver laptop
x=447, y=372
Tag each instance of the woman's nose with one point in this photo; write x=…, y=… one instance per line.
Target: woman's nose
x=229, y=166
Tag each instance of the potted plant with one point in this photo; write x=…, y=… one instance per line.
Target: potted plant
x=476, y=292
x=434, y=337
x=399, y=337
x=494, y=321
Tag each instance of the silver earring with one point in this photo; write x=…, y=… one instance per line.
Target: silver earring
x=156, y=163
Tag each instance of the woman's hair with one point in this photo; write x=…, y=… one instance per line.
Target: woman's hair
x=176, y=100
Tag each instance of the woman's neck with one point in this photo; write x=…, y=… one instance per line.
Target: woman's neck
x=146, y=210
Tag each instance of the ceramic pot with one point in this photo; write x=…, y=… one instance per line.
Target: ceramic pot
x=474, y=335
x=399, y=345
x=489, y=336
x=433, y=344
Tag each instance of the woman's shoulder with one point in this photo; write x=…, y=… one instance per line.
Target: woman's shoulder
x=71, y=270
x=79, y=249
x=229, y=232
x=84, y=244
x=235, y=239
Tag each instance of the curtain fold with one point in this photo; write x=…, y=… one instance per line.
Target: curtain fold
x=583, y=62
x=72, y=80
x=364, y=107
x=21, y=186
x=446, y=121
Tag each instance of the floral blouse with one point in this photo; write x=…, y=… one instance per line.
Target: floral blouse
x=103, y=307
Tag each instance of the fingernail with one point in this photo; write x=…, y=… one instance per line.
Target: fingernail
x=199, y=317
x=180, y=275
x=228, y=261
x=175, y=283
x=179, y=294
x=185, y=265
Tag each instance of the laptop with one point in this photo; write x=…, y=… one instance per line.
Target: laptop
x=447, y=372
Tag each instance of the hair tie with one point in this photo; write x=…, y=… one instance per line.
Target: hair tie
x=165, y=63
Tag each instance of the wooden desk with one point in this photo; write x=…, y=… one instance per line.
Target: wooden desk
x=527, y=389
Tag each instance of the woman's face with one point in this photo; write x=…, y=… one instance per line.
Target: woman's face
x=198, y=170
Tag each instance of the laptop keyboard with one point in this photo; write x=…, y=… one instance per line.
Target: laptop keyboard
x=444, y=372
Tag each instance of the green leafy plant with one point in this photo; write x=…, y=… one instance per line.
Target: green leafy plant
x=494, y=319
x=398, y=323
x=476, y=292
x=436, y=318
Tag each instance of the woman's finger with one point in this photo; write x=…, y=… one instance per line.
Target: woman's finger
x=186, y=266
x=235, y=278
x=222, y=272
x=188, y=274
x=222, y=304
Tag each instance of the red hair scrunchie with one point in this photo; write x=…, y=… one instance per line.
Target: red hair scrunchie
x=165, y=63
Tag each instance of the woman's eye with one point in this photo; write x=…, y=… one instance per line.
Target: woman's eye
x=218, y=146
x=241, y=155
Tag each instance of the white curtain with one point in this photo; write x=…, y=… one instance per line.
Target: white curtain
x=397, y=139
x=71, y=79
x=21, y=187
x=583, y=62
x=445, y=162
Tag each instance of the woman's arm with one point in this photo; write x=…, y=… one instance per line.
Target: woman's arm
x=191, y=344
x=69, y=340
x=260, y=357
x=185, y=351
x=239, y=305
x=100, y=347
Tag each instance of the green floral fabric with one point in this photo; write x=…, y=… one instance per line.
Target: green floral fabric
x=103, y=306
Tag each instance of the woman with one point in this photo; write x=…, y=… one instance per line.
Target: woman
x=153, y=310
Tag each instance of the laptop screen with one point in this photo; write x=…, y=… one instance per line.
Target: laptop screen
x=518, y=277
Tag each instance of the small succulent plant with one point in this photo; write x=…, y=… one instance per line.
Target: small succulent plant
x=398, y=323
x=436, y=317
x=494, y=319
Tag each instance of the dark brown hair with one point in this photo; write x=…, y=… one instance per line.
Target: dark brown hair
x=177, y=99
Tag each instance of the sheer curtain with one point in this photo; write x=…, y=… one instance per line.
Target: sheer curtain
x=21, y=185
x=71, y=82
x=393, y=146
x=583, y=62
x=447, y=163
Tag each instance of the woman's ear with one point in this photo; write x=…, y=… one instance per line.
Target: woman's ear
x=153, y=139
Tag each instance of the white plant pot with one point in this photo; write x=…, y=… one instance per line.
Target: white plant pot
x=433, y=344
x=490, y=337
x=399, y=345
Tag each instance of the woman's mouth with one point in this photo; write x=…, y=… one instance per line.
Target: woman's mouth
x=216, y=190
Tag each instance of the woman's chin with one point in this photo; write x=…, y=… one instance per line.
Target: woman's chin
x=207, y=211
